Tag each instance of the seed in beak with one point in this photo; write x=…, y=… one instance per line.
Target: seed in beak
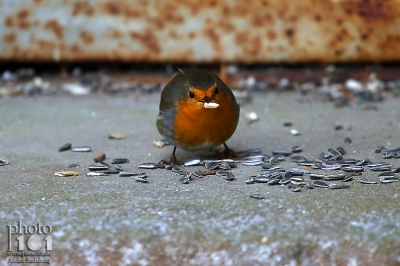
x=210, y=105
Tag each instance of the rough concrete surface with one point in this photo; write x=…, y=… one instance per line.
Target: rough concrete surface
x=113, y=220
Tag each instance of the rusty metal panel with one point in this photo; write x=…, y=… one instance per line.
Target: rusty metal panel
x=246, y=31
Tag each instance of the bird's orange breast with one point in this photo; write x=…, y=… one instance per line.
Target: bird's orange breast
x=199, y=127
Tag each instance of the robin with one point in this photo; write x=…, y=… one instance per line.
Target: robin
x=197, y=111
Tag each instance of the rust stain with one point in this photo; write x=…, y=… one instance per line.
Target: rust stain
x=271, y=35
x=82, y=8
x=46, y=45
x=147, y=39
x=21, y=18
x=55, y=27
x=9, y=38
x=86, y=37
x=8, y=22
x=369, y=9
x=123, y=8
x=22, y=14
x=75, y=48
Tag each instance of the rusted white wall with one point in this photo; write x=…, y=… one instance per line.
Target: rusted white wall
x=246, y=31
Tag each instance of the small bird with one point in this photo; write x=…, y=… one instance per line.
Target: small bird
x=197, y=111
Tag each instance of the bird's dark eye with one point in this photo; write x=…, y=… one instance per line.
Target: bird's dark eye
x=216, y=91
x=191, y=94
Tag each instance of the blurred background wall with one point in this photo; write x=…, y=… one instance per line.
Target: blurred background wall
x=200, y=31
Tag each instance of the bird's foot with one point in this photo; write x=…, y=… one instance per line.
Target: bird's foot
x=173, y=160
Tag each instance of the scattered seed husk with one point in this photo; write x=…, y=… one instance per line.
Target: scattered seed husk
x=99, y=157
x=197, y=174
x=380, y=168
x=118, y=167
x=296, y=189
x=284, y=181
x=348, y=178
x=297, y=149
x=330, y=166
x=98, y=167
x=252, y=162
x=74, y=165
x=65, y=147
x=158, y=143
x=294, y=132
x=207, y=172
x=116, y=135
x=250, y=180
x=299, y=172
x=388, y=179
x=387, y=174
x=339, y=186
x=230, y=177
x=111, y=172
x=141, y=180
x=378, y=164
x=249, y=152
x=185, y=179
x=287, y=124
x=387, y=155
x=297, y=179
x=192, y=162
x=396, y=170
x=347, y=140
x=148, y=166
x=316, y=176
x=363, y=162
x=367, y=181
x=104, y=163
x=96, y=174
x=251, y=117
x=318, y=183
x=82, y=149
x=176, y=169
x=66, y=173
x=306, y=163
x=161, y=143
x=261, y=179
x=273, y=182
x=119, y=161
x=222, y=173
x=390, y=150
x=225, y=165
x=257, y=196
x=128, y=174
x=353, y=169
x=334, y=177
x=281, y=152
x=212, y=164
x=3, y=162
x=298, y=158
x=169, y=166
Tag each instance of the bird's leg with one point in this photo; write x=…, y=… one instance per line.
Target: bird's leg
x=228, y=153
x=173, y=159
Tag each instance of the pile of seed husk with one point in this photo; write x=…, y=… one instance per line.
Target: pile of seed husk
x=331, y=170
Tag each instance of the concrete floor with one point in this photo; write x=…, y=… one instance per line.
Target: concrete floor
x=114, y=220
